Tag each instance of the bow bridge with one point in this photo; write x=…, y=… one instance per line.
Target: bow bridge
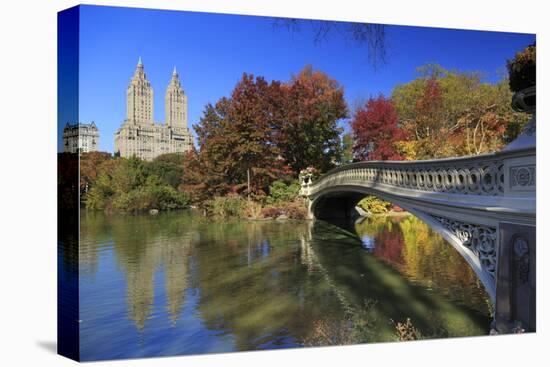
x=484, y=206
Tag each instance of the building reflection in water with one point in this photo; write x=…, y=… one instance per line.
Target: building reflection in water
x=141, y=249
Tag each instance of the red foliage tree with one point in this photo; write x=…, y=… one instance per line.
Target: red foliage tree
x=307, y=132
x=429, y=111
x=376, y=131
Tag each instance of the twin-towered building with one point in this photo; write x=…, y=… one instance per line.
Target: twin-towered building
x=139, y=135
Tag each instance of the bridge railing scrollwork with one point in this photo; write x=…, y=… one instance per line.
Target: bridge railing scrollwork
x=499, y=178
x=479, y=239
x=475, y=176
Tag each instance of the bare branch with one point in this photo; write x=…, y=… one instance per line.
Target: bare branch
x=373, y=36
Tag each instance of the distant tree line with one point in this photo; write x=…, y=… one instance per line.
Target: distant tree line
x=131, y=185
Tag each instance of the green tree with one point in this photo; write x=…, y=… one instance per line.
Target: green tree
x=347, y=148
x=168, y=168
x=132, y=185
x=281, y=192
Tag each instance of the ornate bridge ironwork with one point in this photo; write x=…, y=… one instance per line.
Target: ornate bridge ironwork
x=483, y=205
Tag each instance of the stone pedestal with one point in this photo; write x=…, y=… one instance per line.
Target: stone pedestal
x=524, y=101
x=516, y=280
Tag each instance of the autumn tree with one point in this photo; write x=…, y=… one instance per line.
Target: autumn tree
x=236, y=141
x=256, y=107
x=428, y=126
x=200, y=180
x=91, y=164
x=208, y=171
x=451, y=113
x=488, y=125
x=307, y=133
x=376, y=131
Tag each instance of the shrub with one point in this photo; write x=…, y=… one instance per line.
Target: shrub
x=522, y=69
x=162, y=197
x=354, y=327
x=279, y=192
x=271, y=212
x=134, y=185
x=374, y=205
x=226, y=206
x=166, y=197
x=95, y=199
x=406, y=331
x=295, y=210
x=136, y=200
x=252, y=210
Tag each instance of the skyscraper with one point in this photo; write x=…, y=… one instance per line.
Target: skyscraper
x=175, y=103
x=139, y=135
x=139, y=98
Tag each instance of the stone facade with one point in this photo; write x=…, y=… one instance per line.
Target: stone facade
x=139, y=135
x=80, y=137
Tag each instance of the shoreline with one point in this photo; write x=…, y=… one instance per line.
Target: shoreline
x=283, y=218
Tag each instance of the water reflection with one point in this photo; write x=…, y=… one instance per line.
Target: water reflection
x=410, y=246
x=179, y=284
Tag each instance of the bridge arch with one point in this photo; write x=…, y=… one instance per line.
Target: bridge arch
x=484, y=206
x=339, y=203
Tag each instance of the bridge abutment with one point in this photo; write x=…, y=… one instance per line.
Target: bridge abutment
x=515, y=308
x=339, y=207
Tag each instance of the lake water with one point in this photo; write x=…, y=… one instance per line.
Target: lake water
x=177, y=283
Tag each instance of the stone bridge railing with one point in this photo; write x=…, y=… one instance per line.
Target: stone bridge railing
x=471, y=177
x=502, y=179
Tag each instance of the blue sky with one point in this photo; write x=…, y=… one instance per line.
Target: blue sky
x=211, y=51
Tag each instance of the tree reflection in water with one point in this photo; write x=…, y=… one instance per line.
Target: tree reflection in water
x=423, y=256
x=190, y=285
